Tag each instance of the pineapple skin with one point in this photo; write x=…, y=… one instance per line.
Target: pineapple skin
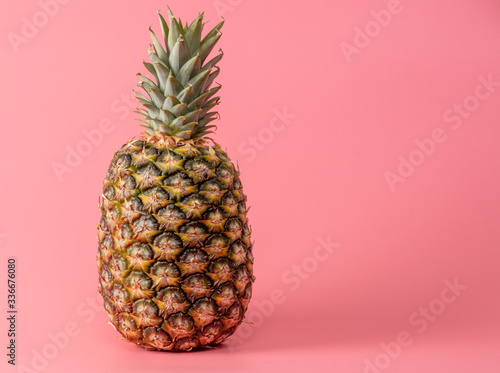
x=175, y=256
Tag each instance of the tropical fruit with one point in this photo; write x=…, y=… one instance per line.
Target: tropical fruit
x=175, y=257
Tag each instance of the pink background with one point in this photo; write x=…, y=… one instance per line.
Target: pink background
x=321, y=175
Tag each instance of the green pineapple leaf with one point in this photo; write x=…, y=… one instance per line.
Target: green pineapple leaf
x=181, y=78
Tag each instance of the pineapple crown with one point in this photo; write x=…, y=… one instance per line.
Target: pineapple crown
x=178, y=102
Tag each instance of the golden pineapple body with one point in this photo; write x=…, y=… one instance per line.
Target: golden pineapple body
x=175, y=256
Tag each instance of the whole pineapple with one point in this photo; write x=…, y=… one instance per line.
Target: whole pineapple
x=175, y=255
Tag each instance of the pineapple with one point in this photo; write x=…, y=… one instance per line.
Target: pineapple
x=175, y=254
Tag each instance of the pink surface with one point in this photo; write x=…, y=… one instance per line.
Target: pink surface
x=370, y=126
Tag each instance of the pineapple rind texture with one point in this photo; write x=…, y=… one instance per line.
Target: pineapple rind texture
x=175, y=255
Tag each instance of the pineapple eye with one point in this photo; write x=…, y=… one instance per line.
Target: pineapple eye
x=212, y=186
x=172, y=212
x=146, y=309
x=149, y=170
x=145, y=223
x=156, y=193
x=108, y=242
x=136, y=204
x=169, y=156
x=150, y=150
x=167, y=241
x=198, y=166
x=157, y=338
x=237, y=183
x=178, y=180
x=126, y=231
x=172, y=294
x=140, y=250
x=138, y=280
x=103, y=223
x=128, y=182
x=194, y=228
x=138, y=146
x=229, y=199
x=165, y=269
x=109, y=192
x=124, y=161
x=181, y=321
x=118, y=263
x=223, y=171
x=221, y=265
